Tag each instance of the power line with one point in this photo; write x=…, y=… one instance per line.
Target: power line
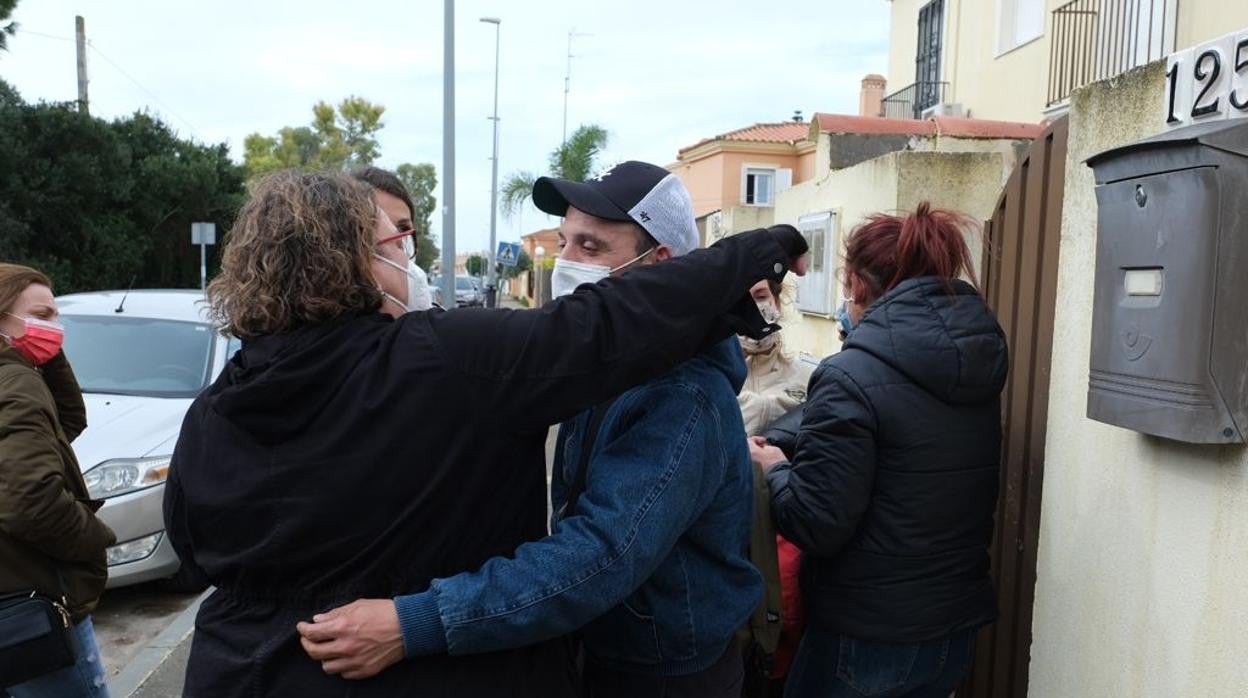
x=139, y=85
x=27, y=32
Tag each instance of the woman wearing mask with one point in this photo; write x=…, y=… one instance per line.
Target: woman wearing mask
x=776, y=382
x=892, y=488
x=300, y=482
x=396, y=202
x=50, y=539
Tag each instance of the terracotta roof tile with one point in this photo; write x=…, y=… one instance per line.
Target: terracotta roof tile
x=953, y=126
x=844, y=123
x=783, y=132
x=984, y=128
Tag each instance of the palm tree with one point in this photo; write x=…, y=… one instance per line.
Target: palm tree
x=573, y=160
x=7, y=29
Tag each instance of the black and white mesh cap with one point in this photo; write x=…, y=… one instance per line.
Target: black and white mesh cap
x=638, y=192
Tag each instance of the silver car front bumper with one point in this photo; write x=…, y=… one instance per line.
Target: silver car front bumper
x=135, y=518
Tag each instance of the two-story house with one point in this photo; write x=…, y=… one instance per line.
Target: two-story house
x=1019, y=60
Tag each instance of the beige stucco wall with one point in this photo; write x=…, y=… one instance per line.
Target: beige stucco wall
x=805, y=169
x=742, y=218
x=968, y=182
x=734, y=163
x=903, y=38
x=714, y=181
x=1142, y=554
x=1014, y=86
x=987, y=86
x=1204, y=20
x=704, y=179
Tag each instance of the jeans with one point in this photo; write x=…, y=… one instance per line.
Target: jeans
x=723, y=679
x=829, y=665
x=85, y=679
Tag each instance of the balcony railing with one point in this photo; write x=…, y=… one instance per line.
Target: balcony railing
x=1098, y=39
x=909, y=102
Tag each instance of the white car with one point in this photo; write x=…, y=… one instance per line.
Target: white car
x=140, y=364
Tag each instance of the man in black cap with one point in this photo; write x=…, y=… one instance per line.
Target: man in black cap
x=652, y=492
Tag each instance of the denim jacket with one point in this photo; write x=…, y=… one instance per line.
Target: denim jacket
x=651, y=566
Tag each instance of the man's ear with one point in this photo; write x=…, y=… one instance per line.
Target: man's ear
x=661, y=253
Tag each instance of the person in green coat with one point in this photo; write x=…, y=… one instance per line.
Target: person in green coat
x=51, y=541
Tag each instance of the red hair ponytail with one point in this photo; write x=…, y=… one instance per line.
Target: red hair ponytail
x=886, y=249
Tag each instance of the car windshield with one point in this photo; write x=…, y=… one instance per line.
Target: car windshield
x=138, y=356
x=463, y=283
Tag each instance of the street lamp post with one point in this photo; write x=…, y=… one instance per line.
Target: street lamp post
x=448, y=152
x=539, y=253
x=491, y=286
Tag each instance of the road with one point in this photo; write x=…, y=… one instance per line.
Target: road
x=129, y=618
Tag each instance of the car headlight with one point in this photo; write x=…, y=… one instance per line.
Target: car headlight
x=133, y=551
x=124, y=475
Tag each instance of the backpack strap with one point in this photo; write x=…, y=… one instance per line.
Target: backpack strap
x=581, y=479
x=765, y=623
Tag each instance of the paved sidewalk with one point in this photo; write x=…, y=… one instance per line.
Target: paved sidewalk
x=157, y=670
x=166, y=680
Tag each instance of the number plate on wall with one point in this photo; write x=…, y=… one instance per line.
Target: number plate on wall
x=1208, y=82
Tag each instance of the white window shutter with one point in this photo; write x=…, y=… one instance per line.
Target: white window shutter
x=815, y=292
x=784, y=179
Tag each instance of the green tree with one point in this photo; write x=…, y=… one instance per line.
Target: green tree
x=420, y=181
x=7, y=27
x=475, y=264
x=96, y=203
x=573, y=160
x=339, y=138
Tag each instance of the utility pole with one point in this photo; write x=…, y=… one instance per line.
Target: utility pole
x=80, y=29
x=491, y=293
x=448, y=155
x=567, y=85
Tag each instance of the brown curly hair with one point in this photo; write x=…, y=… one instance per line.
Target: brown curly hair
x=300, y=253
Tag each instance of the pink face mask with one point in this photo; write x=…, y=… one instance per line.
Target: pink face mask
x=41, y=341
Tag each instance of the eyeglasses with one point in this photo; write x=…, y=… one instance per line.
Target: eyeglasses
x=408, y=238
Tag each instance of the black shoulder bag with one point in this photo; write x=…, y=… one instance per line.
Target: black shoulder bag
x=581, y=478
x=36, y=637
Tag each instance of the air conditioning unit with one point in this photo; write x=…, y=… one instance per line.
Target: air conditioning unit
x=944, y=109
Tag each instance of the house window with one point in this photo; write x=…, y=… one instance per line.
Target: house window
x=927, y=57
x=814, y=290
x=759, y=187
x=1018, y=22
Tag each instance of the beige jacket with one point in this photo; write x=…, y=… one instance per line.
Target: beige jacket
x=776, y=383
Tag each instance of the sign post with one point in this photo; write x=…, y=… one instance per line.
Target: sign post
x=508, y=254
x=203, y=234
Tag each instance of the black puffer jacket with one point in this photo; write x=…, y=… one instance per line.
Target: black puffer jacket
x=893, y=484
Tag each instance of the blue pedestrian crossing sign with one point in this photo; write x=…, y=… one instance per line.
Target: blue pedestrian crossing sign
x=508, y=254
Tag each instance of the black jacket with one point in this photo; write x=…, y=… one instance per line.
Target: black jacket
x=893, y=486
x=366, y=457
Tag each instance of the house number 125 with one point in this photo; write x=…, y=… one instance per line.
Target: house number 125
x=1206, y=74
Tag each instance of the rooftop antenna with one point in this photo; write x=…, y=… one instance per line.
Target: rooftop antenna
x=121, y=307
x=567, y=82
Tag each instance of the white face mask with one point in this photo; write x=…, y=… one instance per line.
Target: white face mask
x=568, y=275
x=417, y=286
x=418, y=297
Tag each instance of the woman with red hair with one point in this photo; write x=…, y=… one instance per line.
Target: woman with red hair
x=892, y=488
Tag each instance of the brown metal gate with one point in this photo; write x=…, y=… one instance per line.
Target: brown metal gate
x=1020, y=281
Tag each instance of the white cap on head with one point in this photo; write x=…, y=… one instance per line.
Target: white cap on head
x=645, y=194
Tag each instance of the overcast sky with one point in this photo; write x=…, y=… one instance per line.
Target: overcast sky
x=657, y=74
